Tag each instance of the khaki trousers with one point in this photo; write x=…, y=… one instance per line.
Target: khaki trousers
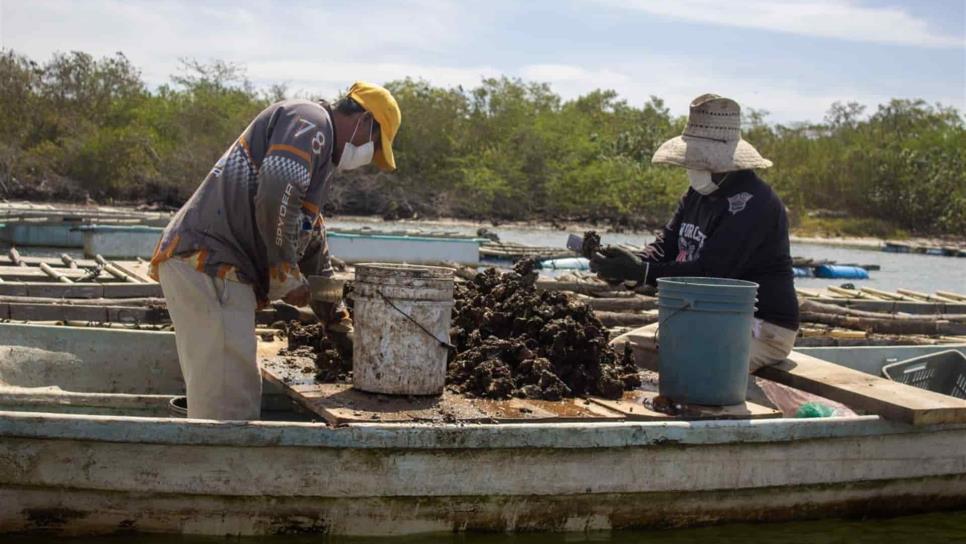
x=770, y=344
x=214, y=321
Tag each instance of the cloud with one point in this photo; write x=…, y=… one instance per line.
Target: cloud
x=328, y=78
x=837, y=19
x=319, y=48
x=154, y=35
x=678, y=80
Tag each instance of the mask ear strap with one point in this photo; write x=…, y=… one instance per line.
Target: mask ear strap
x=354, y=130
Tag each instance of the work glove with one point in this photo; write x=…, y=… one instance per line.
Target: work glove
x=617, y=264
x=298, y=296
x=338, y=325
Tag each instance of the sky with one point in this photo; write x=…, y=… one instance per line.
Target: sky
x=792, y=58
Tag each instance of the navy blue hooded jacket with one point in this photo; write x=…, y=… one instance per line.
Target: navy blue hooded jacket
x=739, y=231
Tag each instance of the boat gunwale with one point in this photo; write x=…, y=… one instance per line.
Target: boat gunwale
x=161, y=430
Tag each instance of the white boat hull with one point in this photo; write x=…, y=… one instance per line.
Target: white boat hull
x=90, y=474
x=79, y=473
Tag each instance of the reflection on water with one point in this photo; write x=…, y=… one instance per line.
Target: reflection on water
x=944, y=527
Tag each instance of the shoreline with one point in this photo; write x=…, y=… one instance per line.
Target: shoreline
x=577, y=227
x=850, y=242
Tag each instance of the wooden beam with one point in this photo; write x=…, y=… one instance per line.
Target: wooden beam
x=892, y=306
x=78, y=312
x=80, y=290
x=616, y=319
x=626, y=304
x=55, y=262
x=822, y=308
x=865, y=392
x=153, y=302
x=638, y=406
x=584, y=288
x=886, y=326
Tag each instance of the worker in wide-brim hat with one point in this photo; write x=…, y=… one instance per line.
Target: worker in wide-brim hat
x=253, y=231
x=729, y=224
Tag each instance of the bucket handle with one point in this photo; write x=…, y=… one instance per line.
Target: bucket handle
x=688, y=303
x=442, y=344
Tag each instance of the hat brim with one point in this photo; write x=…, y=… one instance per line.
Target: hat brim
x=709, y=155
x=383, y=158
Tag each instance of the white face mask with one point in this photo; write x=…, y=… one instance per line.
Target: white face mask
x=355, y=156
x=701, y=181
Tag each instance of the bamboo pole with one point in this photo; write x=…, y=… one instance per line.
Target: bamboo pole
x=54, y=274
x=15, y=257
x=809, y=293
x=950, y=294
x=850, y=293
x=113, y=270
x=884, y=294
x=68, y=261
x=915, y=294
x=131, y=273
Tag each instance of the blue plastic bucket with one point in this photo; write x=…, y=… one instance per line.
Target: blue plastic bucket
x=705, y=338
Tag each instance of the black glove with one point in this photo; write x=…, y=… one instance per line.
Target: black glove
x=613, y=263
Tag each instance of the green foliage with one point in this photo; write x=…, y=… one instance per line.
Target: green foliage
x=905, y=165
x=506, y=149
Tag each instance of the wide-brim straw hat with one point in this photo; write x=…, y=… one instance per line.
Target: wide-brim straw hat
x=711, y=140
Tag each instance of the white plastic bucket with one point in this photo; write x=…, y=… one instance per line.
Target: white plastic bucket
x=402, y=317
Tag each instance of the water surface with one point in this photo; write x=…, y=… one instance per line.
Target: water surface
x=926, y=273
x=921, y=529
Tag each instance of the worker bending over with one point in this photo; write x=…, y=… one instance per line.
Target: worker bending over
x=729, y=224
x=253, y=230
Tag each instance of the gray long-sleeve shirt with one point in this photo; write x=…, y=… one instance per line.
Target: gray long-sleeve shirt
x=243, y=221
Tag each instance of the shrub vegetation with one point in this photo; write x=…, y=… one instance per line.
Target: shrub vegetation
x=76, y=127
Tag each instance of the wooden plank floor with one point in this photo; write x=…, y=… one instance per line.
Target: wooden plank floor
x=341, y=404
x=637, y=405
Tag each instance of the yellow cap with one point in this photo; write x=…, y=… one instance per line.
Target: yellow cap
x=383, y=107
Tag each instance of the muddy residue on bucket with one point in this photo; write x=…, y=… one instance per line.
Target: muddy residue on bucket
x=311, y=342
x=514, y=341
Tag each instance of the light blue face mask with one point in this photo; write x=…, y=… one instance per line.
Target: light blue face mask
x=356, y=156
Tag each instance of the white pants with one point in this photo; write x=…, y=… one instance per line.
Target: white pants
x=770, y=344
x=214, y=321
